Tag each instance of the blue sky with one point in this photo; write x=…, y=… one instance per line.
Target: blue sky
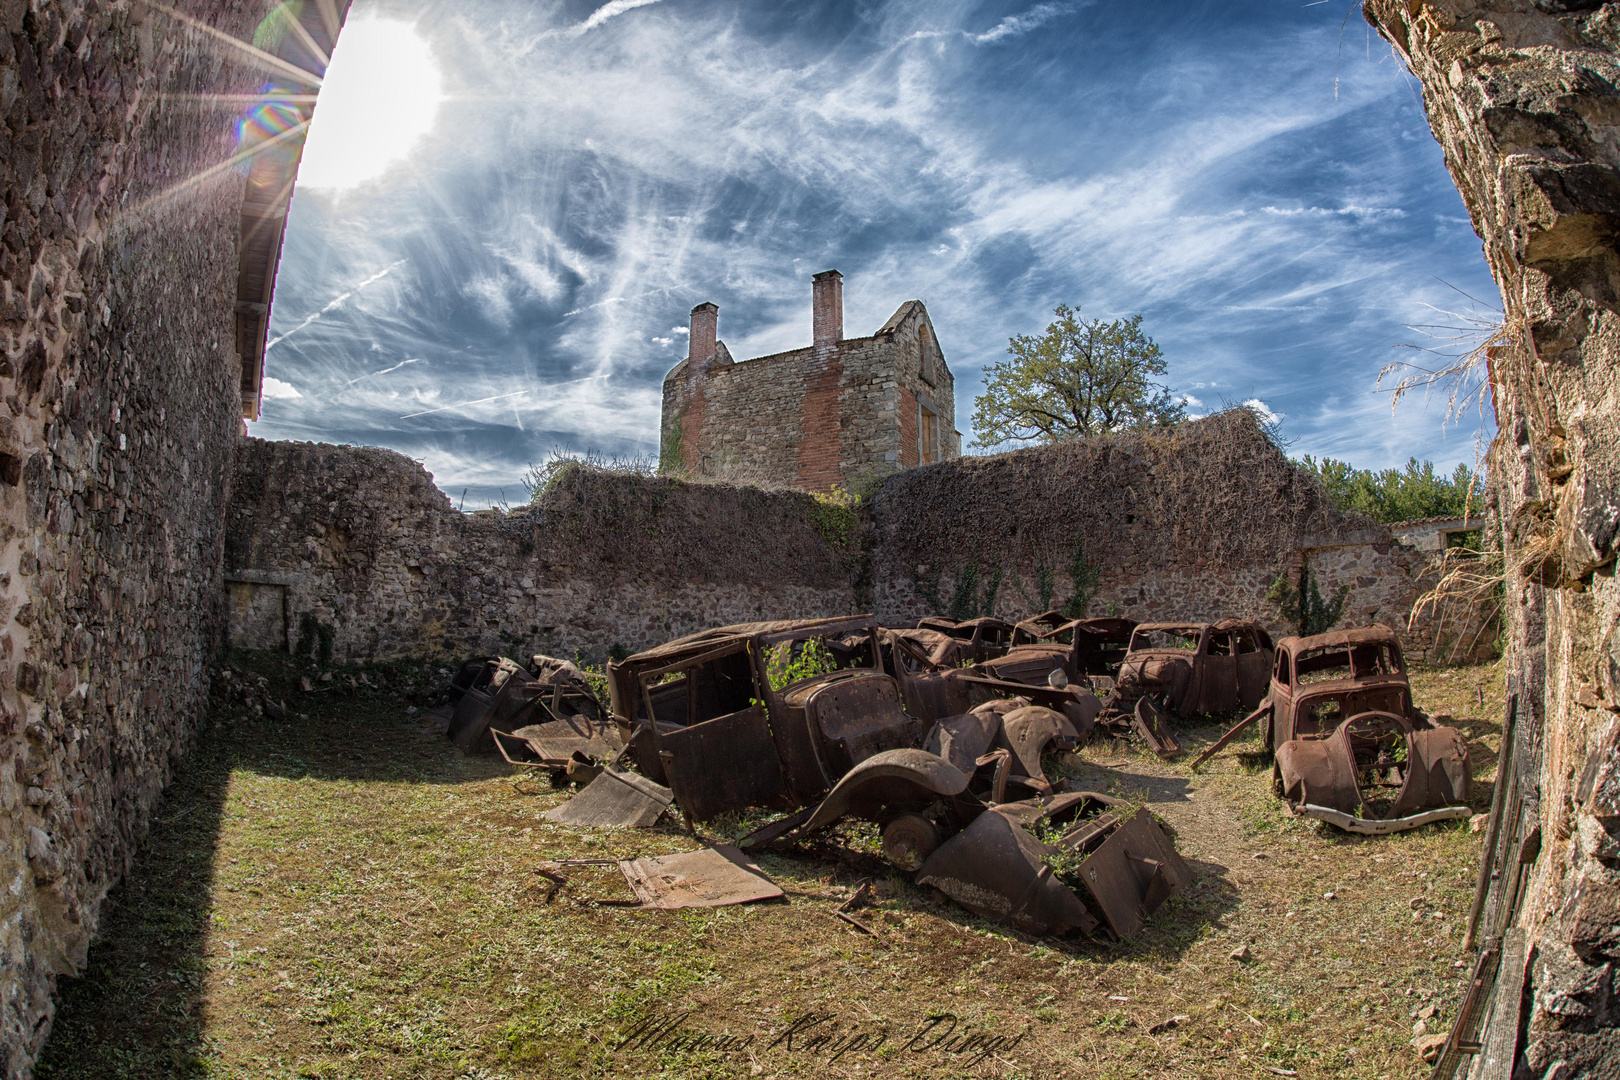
x=1261, y=186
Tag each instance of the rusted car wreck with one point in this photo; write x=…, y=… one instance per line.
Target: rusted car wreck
x=807, y=717
x=1349, y=746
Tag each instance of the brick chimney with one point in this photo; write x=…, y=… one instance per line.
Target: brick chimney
x=705, y=331
x=827, y=308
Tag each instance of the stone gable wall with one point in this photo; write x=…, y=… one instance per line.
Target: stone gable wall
x=119, y=404
x=810, y=418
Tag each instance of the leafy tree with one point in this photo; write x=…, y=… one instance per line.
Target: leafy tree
x=1082, y=377
x=1303, y=605
x=1398, y=494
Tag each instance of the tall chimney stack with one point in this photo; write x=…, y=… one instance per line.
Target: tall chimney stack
x=827, y=308
x=705, y=332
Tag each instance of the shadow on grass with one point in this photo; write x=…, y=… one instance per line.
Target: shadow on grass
x=138, y=1008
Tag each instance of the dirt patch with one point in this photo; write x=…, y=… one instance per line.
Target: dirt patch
x=344, y=896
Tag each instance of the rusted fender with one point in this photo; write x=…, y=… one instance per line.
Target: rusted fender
x=1027, y=732
x=963, y=739
x=1148, y=720
x=1437, y=773
x=1318, y=772
x=888, y=783
x=1082, y=712
x=995, y=868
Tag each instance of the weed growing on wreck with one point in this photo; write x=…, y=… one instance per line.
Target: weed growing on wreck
x=1065, y=862
x=1303, y=605
x=787, y=667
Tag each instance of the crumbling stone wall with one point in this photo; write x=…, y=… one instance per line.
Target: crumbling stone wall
x=361, y=539
x=1523, y=98
x=1191, y=523
x=119, y=401
x=838, y=412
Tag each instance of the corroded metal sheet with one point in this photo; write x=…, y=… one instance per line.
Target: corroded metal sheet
x=962, y=740
x=713, y=877
x=1133, y=872
x=615, y=797
x=722, y=764
x=997, y=869
x=1027, y=732
x=1148, y=721
x=556, y=741
x=861, y=716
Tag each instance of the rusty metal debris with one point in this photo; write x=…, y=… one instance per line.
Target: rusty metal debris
x=552, y=713
x=1100, y=867
x=935, y=733
x=615, y=797
x=1148, y=721
x=713, y=877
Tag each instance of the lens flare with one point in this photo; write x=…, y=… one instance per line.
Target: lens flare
x=380, y=96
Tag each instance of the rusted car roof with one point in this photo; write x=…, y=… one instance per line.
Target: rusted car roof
x=1377, y=633
x=707, y=640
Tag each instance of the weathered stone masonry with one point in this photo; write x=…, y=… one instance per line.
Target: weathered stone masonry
x=362, y=540
x=120, y=399
x=840, y=412
x=1524, y=98
x=1194, y=523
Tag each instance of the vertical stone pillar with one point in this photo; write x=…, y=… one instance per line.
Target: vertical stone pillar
x=827, y=308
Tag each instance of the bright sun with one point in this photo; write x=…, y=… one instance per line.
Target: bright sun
x=379, y=97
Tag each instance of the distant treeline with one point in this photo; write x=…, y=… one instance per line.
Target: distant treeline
x=1416, y=491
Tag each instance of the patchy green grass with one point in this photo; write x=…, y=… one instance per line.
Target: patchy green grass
x=341, y=895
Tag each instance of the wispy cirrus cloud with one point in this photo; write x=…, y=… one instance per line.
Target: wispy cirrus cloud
x=1023, y=23
x=582, y=191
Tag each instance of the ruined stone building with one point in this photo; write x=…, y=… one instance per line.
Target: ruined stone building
x=840, y=411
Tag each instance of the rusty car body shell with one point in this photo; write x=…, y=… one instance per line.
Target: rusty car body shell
x=1307, y=700
x=701, y=716
x=1095, y=646
x=1224, y=668
x=983, y=638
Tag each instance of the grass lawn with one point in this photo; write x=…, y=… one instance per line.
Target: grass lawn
x=341, y=895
